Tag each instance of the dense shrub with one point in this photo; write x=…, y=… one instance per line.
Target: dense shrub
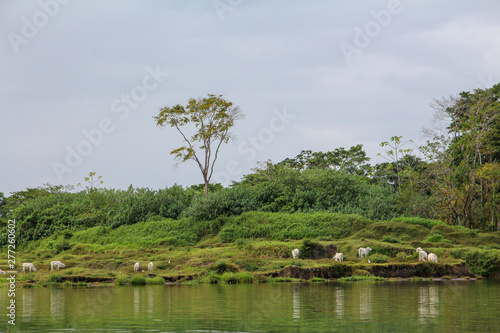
x=222, y=267
x=484, y=263
x=390, y=239
x=244, y=277
x=385, y=250
x=64, y=212
x=155, y=280
x=121, y=280
x=436, y=238
x=138, y=280
x=379, y=258
x=226, y=202
x=212, y=278
x=230, y=278
x=306, y=248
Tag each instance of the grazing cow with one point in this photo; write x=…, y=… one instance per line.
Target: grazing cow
x=28, y=265
x=363, y=252
x=57, y=264
x=432, y=257
x=150, y=266
x=136, y=267
x=338, y=257
x=422, y=255
x=295, y=253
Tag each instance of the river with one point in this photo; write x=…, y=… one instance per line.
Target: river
x=390, y=306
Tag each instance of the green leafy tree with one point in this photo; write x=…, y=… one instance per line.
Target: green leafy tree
x=395, y=154
x=353, y=160
x=464, y=155
x=92, y=181
x=213, y=117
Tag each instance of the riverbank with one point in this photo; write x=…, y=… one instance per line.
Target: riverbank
x=257, y=247
x=335, y=272
x=233, y=263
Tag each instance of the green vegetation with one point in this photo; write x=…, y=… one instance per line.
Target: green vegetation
x=213, y=117
x=361, y=278
x=484, y=263
x=138, y=280
x=320, y=202
x=107, y=254
x=121, y=280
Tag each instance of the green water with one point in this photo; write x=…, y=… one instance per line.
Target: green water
x=426, y=306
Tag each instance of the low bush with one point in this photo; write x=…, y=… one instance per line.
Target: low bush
x=212, y=278
x=230, y=278
x=390, y=239
x=403, y=256
x=378, y=258
x=138, y=280
x=155, y=280
x=67, y=284
x=436, y=238
x=250, y=265
x=222, y=267
x=56, y=278
x=63, y=245
x=384, y=250
x=244, y=277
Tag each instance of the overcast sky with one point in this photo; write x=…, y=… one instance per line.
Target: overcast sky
x=81, y=80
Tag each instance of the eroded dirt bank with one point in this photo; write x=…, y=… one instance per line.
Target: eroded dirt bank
x=386, y=271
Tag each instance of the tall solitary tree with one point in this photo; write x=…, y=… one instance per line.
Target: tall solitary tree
x=212, y=117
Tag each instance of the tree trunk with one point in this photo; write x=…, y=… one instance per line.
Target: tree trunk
x=206, y=187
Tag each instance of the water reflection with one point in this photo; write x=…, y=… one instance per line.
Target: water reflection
x=428, y=302
x=150, y=300
x=333, y=307
x=365, y=302
x=136, y=301
x=296, y=301
x=339, y=302
x=57, y=298
x=27, y=303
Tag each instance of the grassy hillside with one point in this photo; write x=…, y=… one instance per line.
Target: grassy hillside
x=253, y=246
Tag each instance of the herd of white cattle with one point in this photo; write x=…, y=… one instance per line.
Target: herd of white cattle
x=57, y=264
x=423, y=256
x=363, y=252
x=339, y=257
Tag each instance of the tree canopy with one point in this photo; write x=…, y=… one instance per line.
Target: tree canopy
x=212, y=117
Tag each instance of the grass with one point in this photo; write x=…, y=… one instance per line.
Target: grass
x=155, y=280
x=317, y=279
x=268, y=250
x=138, y=280
x=361, y=278
x=121, y=280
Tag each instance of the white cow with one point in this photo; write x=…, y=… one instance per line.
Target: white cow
x=363, y=251
x=57, y=264
x=338, y=257
x=422, y=255
x=2, y=272
x=432, y=257
x=295, y=253
x=150, y=266
x=28, y=265
x=136, y=267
